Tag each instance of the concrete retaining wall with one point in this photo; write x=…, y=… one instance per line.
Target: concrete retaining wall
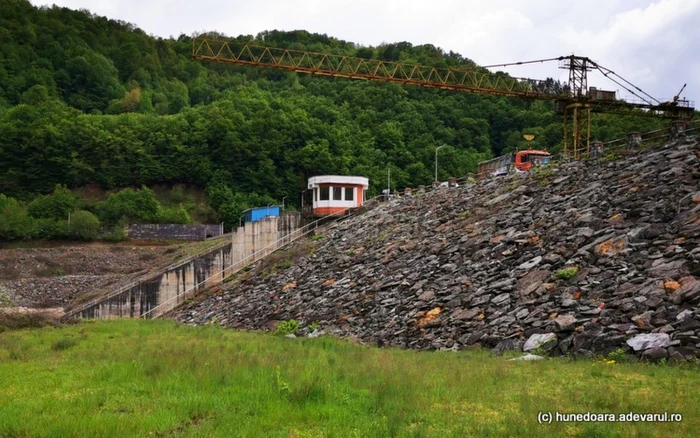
x=166, y=290
x=166, y=287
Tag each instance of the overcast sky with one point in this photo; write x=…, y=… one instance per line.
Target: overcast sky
x=652, y=43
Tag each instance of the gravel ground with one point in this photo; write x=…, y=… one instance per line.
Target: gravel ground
x=49, y=277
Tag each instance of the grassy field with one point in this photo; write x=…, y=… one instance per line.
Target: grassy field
x=157, y=378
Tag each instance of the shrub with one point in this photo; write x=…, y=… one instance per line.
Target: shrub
x=5, y=299
x=174, y=216
x=543, y=172
x=83, y=225
x=619, y=356
x=286, y=328
x=48, y=229
x=116, y=235
x=567, y=273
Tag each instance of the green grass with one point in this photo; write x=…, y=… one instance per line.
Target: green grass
x=157, y=378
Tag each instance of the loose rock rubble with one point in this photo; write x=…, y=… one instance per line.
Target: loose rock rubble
x=583, y=259
x=50, y=277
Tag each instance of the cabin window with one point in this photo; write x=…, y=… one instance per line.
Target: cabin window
x=315, y=195
x=325, y=193
x=349, y=194
x=523, y=158
x=337, y=193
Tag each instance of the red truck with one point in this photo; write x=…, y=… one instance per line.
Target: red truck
x=521, y=161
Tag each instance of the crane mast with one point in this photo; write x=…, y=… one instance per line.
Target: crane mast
x=575, y=104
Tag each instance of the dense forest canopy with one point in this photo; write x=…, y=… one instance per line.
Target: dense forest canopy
x=87, y=100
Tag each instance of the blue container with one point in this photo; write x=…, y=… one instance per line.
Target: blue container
x=255, y=214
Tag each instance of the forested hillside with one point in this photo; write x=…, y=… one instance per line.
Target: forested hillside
x=88, y=100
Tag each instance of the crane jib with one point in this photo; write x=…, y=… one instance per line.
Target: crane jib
x=575, y=104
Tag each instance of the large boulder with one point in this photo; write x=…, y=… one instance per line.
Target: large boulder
x=541, y=341
x=649, y=340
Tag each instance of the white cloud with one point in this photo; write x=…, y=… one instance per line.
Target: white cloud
x=650, y=42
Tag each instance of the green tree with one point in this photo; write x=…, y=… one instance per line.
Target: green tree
x=14, y=221
x=131, y=205
x=55, y=206
x=36, y=95
x=92, y=82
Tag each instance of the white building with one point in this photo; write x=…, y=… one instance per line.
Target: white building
x=333, y=194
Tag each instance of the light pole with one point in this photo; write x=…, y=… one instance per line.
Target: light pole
x=436, y=156
x=302, y=199
x=388, y=182
x=283, y=202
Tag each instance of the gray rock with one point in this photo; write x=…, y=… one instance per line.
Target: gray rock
x=643, y=321
x=585, y=232
x=461, y=314
x=564, y=322
x=508, y=345
x=499, y=199
x=543, y=341
x=655, y=354
x=649, y=340
x=687, y=313
x=528, y=357
x=532, y=281
x=427, y=296
x=681, y=353
x=522, y=313
x=314, y=334
x=663, y=269
x=501, y=299
x=530, y=264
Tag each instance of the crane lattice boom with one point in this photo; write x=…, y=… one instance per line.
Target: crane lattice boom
x=369, y=69
x=574, y=103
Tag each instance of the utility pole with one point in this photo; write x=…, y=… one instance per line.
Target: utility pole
x=436, y=159
x=388, y=182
